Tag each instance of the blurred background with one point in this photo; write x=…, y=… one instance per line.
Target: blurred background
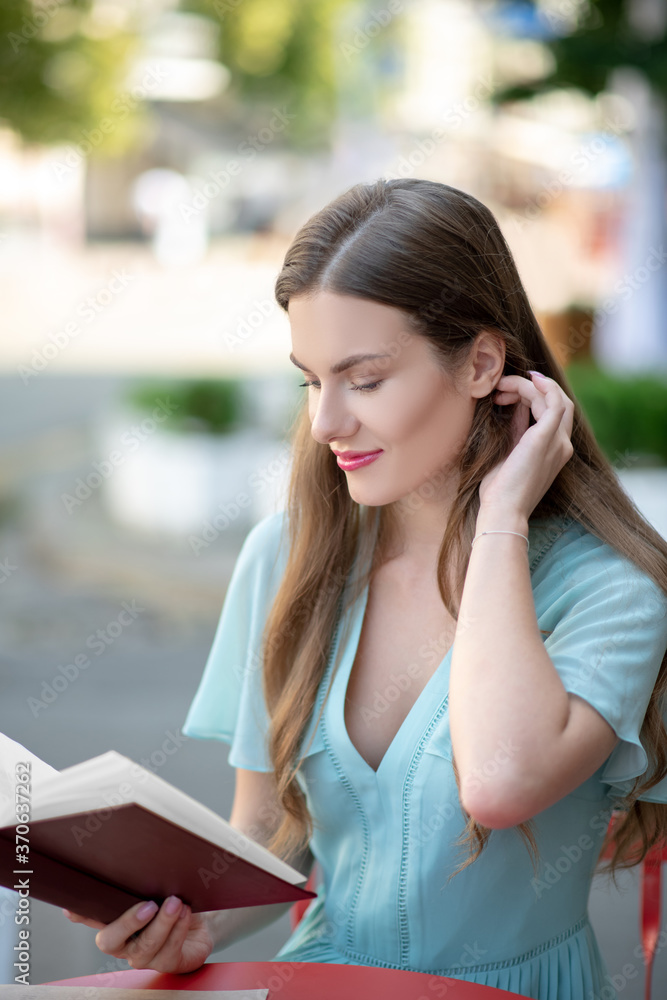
x=156, y=158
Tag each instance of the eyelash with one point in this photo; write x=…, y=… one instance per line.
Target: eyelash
x=370, y=387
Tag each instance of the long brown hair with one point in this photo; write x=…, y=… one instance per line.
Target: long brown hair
x=437, y=254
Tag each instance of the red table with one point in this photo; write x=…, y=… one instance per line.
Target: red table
x=300, y=981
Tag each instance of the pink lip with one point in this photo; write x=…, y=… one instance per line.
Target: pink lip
x=361, y=458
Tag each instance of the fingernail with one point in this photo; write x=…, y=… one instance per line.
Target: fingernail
x=147, y=910
x=172, y=906
x=539, y=374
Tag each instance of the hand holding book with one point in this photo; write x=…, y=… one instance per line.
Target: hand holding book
x=169, y=938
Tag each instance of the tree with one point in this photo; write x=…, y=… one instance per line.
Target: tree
x=605, y=35
x=61, y=70
x=590, y=49
x=288, y=52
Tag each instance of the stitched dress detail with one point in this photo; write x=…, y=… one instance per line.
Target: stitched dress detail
x=385, y=839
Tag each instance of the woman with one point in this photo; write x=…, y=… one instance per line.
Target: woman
x=442, y=665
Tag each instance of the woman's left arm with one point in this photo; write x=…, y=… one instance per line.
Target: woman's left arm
x=521, y=741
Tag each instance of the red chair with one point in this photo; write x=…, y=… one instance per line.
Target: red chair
x=650, y=903
x=298, y=909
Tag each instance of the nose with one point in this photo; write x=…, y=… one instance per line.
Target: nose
x=330, y=419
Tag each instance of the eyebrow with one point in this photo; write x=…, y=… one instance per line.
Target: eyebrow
x=343, y=365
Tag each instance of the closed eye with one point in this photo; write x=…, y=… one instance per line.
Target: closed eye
x=370, y=386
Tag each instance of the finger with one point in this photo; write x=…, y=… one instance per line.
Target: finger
x=550, y=405
x=513, y=388
x=506, y=398
x=555, y=395
x=141, y=951
x=170, y=953
x=552, y=408
x=113, y=938
x=567, y=421
x=545, y=389
x=557, y=399
x=76, y=918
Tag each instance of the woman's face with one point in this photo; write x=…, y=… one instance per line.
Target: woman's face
x=411, y=412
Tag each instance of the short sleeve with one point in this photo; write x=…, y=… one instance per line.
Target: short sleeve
x=229, y=703
x=607, y=645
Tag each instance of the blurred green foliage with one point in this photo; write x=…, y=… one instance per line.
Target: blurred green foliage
x=628, y=414
x=63, y=63
x=604, y=39
x=61, y=70
x=290, y=53
x=214, y=406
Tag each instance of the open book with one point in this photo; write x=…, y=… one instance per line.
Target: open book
x=104, y=834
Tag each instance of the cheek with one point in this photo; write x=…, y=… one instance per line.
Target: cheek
x=425, y=415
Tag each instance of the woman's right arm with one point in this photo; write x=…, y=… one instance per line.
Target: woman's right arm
x=181, y=941
x=257, y=813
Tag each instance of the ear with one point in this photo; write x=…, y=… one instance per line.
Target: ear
x=487, y=360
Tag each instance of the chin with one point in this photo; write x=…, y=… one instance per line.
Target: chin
x=369, y=497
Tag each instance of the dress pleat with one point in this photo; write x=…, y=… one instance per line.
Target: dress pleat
x=571, y=970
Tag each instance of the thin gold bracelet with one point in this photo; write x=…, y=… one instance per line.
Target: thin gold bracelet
x=499, y=533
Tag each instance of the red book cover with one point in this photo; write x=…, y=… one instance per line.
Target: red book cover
x=105, y=834
x=100, y=863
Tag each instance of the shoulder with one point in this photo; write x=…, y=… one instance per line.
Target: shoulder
x=569, y=560
x=266, y=535
x=265, y=544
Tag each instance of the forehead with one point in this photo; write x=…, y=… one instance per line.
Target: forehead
x=344, y=324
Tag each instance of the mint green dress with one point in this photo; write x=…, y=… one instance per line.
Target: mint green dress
x=385, y=841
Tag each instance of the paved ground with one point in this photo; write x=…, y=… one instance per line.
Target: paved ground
x=141, y=687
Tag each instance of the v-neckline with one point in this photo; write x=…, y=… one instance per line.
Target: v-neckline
x=354, y=618
x=358, y=612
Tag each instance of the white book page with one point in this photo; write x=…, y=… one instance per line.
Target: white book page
x=11, y=754
x=112, y=779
